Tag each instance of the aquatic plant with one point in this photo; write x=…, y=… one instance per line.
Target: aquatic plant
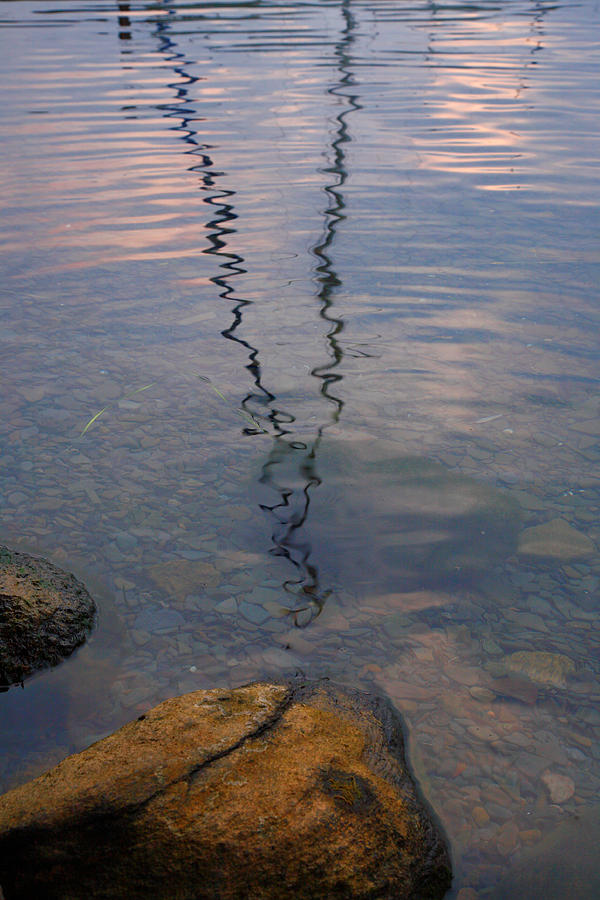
x=146, y=387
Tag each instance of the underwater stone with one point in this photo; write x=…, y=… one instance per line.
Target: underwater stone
x=254, y=613
x=482, y=694
x=45, y=613
x=540, y=666
x=180, y=577
x=158, y=619
x=227, y=607
x=270, y=790
x=562, y=865
x=413, y=521
x=125, y=542
x=560, y=787
x=555, y=540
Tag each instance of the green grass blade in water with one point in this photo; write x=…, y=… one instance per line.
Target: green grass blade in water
x=92, y=420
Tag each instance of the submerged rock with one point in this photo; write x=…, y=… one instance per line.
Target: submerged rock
x=266, y=791
x=563, y=865
x=407, y=520
x=560, y=787
x=555, y=540
x=542, y=667
x=45, y=614
x=180, y=577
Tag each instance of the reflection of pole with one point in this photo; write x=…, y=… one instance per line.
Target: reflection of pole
x=220, y=226
x=291, y=512
x=536, y=31
x=326, y=275
x=124, y=22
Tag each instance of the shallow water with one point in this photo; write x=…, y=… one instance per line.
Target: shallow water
x=329, y=274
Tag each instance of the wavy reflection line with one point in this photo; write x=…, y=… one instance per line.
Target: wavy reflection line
x=292, y=509
x=220, y=226
x=291, y=512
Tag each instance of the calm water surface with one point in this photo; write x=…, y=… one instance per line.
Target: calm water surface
x=329, y=273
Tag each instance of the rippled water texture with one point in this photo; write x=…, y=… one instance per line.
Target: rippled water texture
x=299, y=342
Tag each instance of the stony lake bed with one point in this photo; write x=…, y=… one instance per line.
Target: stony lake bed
x=487, y=671
x=299, y=373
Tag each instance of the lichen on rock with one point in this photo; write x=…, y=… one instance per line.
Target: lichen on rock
x=266, y=791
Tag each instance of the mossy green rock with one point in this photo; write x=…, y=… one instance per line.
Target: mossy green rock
x=265, y=792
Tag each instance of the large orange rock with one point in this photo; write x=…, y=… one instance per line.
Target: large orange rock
x=266, y=791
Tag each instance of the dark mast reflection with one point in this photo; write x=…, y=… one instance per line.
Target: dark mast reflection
x=124, y=21
x=539, y=11
x=291, y=512
x=219, y=199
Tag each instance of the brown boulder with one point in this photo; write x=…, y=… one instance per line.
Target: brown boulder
x=45, y=614
x=267, y=791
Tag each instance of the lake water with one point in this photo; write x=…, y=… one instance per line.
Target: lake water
x=300, y=337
